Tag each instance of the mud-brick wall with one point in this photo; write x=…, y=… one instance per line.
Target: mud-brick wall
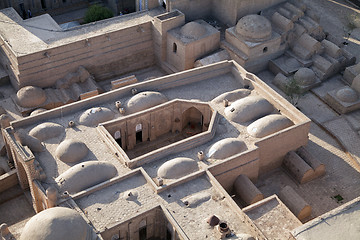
x=153, y=220
x=230, y=11
x=8, y=60
x=193, y=9
x=105, y=56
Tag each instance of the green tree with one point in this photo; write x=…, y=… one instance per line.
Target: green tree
x=97, y=13
x=293, y=91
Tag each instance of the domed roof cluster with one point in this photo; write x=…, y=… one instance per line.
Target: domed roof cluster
x=193, y=30
x=254, y=28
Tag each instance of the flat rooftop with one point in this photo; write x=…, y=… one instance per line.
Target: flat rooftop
x=106, y=204
x=273, y=218
x=341, y=223
x=212, y=84
x=109, y=206
x=43, y=32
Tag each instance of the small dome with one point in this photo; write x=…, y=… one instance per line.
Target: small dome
x=57, y=223
x=248, y=108
x=226, y=148
x=347, y=94
x=71, y=151
x=232, y=96
x=96, y=115
x=177, y=168
x=47, y=130
x=85, y=175
x=305, y=76
x=254, y=28
x=26, y=140
x=145, y=100
x=268, y=125
x=193, y=30
x=37, y=111
x=30, y=96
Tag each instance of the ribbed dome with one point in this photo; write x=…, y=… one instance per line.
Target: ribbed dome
x=254, y=28
x=193, y=30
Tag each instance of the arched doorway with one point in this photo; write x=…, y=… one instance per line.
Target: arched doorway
x=192, y=118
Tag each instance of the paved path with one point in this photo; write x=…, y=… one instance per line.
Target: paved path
x=341, y=128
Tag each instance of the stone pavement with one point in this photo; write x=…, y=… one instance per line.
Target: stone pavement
x=340, y=128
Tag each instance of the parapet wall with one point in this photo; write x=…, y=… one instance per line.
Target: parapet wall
x=8, y=180
x=246, y=163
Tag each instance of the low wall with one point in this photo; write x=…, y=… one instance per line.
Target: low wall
x=226, y=171
x=8, y=180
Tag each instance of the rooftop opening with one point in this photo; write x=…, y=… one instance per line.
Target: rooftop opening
x=142, y=133
x=158, y=218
